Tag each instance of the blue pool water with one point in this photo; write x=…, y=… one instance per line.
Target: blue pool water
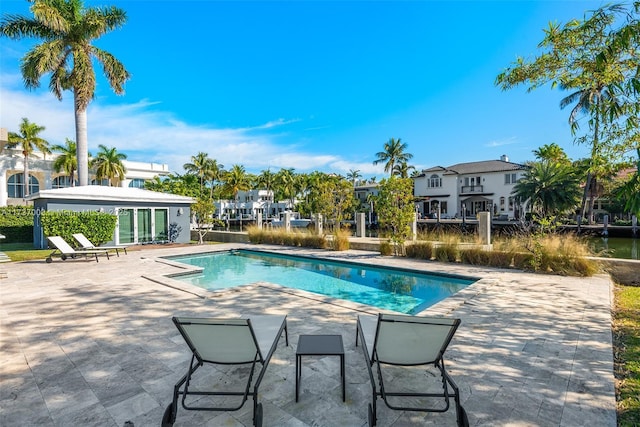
x=392, y=289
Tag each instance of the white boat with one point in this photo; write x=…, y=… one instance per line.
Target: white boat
x=296, y=221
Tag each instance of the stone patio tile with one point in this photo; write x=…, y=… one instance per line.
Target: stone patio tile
x=99, y=348
x=133, y=407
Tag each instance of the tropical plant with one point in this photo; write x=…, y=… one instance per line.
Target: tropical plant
x=332, y=197
x=108, y=164
x=596, y=61
x=629, y=192
x=396, y=210
x=394, y=152
x=236, y=180
x=215, y=172
x=28, y=140
x=402, y=169
x=549, y=188
x=287, y=184
x=200, y=166
x=67, y=160
x=552, y=152
x=354, y=176
x=203, y=210
x=68, y=30
x=267, y=180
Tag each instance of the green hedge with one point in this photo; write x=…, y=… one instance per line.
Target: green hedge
x=16, y=224
x=98, y=227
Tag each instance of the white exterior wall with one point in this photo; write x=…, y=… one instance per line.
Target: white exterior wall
x=491, y=189
x=12, y=162
x=450, y=186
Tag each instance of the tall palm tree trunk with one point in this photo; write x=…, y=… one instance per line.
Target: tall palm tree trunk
x=82, y=148
x=26, y=174
x=590, y=176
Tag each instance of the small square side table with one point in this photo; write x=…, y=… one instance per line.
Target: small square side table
x=319, y=345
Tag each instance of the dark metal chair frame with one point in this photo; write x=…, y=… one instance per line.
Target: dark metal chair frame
x=447, y=381
x=197, y=361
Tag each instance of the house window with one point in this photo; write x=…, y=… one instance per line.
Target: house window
x=471, y=181
x=103, y=182
x=15, y=185
x=511, y=203
x=434, y=181
x=443, y=207
x=502, y=206
x=61, y=182
x=510, y=178
x=137, y=183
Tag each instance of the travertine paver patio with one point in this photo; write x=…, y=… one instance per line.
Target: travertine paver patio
x=92, y=344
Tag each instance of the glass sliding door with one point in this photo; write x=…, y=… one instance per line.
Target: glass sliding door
x=144, y=226
x=126, y=226
x=161, y=225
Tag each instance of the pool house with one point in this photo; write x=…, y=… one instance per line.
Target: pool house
x=143, y=216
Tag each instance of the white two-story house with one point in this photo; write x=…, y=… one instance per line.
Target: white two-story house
x=469, y=188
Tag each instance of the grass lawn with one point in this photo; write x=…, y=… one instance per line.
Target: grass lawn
x=23, y=251
x=626, y=336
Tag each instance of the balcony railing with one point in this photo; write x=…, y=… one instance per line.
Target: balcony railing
x=472, y=189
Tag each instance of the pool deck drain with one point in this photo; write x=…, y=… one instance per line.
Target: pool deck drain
x=92, y=344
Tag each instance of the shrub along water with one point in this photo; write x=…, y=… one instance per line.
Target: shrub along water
x=300, y=238
x=545, y=253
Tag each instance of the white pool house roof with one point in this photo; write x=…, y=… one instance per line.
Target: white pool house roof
x=100, y=193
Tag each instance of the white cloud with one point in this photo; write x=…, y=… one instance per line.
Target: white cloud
x=499, y=143
x=147, y=134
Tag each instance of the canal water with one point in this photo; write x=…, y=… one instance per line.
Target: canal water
x=616, y=247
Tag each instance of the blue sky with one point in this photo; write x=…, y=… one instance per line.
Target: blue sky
x=310, y=85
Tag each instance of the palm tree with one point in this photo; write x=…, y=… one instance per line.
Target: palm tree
x=29, y=141
x=237, y=180
x=214, y=172
x=108, y=164
x=68, y=29
x=267, y=180
x=394, y=152
x=67, y=161
x=354, y=176
x=286, y=180
x=591, y=99
x=199, y=166
x=402, y=169
x=550, y=188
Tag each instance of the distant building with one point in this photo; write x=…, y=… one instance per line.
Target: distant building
x=469, y=188
x=42, y=175
x=250, y=203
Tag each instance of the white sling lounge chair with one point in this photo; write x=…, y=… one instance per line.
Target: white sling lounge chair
x=64, y=250
x=86, y=244
x=226, y=342
x=401, y=340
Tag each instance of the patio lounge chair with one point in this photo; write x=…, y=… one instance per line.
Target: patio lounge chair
x=400, y=340
x=246, y=341
x=64, y=250
x=86, y=245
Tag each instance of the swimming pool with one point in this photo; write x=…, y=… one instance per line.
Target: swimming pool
x=399, y=290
